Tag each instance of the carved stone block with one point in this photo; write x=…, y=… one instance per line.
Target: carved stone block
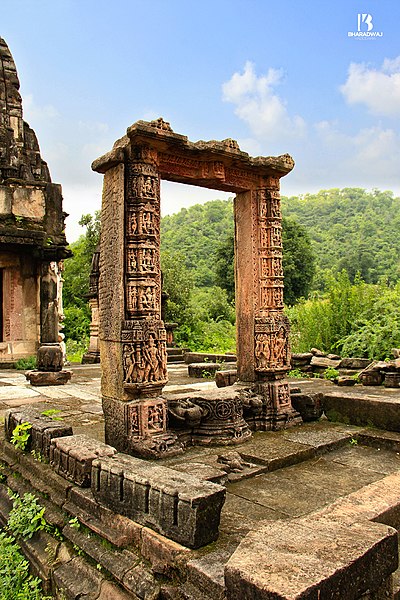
x=177, y=505
x=72, y=457
x=43, y=430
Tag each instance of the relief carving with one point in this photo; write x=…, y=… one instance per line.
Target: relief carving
x=155, y=417
x=272, y=343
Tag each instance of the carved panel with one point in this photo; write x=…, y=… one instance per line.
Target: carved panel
x=144, y=351
x=271, y=336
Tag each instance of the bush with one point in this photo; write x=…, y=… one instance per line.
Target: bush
x=15, y=581
x=23, y=364
x=356, y=319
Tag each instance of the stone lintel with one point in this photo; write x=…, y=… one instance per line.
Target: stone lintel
x=312, y=559
x=213, y=164
x=177, y=505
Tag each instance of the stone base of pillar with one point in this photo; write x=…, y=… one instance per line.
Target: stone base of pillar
x=48, y=377
x=138, y=427
x=91, y=358
x=211, y=418
x=267, y=406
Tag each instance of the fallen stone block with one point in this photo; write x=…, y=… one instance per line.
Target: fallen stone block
x=345, y=381
x=320, y=363
x=177, y=505
x=225, y=378
x=354, y=364
x=312, y=559
x=72, y=457
x=300, y=359
x=308, y=405
x=43, y=429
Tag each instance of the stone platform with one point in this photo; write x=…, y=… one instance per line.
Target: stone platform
x=329, y=480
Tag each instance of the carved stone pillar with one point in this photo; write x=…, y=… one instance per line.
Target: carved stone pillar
x=49, y=355
x=135, y=414
x=262, y=329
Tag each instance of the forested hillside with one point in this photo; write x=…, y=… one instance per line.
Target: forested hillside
x=354, y=309
x=351, y=229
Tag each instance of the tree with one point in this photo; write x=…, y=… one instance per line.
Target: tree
x=298, y=262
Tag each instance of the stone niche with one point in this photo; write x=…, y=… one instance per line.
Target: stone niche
x=31, y=226
x=132, y=334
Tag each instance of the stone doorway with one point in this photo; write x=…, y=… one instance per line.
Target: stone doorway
x=132, y=334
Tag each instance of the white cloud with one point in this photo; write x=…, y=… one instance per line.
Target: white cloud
x=32, y=111
x=259, y=106
x=378, y=89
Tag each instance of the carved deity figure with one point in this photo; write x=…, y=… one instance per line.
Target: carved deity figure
x=147, y=260
x=147, y=298
x=262, y=351
x=147, y=223
x=148, y=187
x=150, y=360
x=155, y=417
x=133, y=224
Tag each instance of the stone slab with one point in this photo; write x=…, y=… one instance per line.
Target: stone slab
x=72, y=457
x=39, y=378
x=298, y=559
x=376, y=411
x=177, y=505
x=275, y=452
x=366, y=458
x=43, y=429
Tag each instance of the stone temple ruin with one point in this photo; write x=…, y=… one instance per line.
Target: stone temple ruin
x=132, y=335
x=210, y=523
x=32, y=238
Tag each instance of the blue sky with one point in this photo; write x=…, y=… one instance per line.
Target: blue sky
x=276, y=76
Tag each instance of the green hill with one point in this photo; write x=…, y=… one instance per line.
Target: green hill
x=351, y=229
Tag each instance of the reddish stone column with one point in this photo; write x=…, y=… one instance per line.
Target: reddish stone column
x=133, y=336
x=263, y=348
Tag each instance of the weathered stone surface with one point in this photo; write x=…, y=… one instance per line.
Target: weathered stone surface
x=43, y=430
x=345, y=381
x=323, y=362
x=78, y=580
x=205, y=369
x=300, y=359
x=348, y=407
x=308, y=405
x=175, y=504
x=225, y=378
x=392, y=380
x=311, y=559
x=355, y=364
x=48, y=377
x=72, y=457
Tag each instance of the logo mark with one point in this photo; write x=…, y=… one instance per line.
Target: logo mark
x=365, y=18
x=364, y=28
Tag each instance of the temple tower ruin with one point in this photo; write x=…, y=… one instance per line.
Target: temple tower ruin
x=32, y=239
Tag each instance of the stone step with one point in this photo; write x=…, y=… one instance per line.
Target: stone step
x=175, y=358
x=396, y=581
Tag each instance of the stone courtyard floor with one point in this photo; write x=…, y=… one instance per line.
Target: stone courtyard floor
x=287, y=474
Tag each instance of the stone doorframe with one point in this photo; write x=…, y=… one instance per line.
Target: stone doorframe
x=132, y=335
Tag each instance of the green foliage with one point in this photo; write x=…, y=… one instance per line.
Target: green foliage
x=20, y=435
x=177, y=284
x=76, y=280
x=53, y=413
x=74, y=523
x=197, y=232
x=75, y=350
x=15, y=580
x=224, y=265
x=350, y=229
x=24, y=364
x=353, y=319
x=296, y=374
x=331, y=374
x=298, y=261
x=26, y=516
